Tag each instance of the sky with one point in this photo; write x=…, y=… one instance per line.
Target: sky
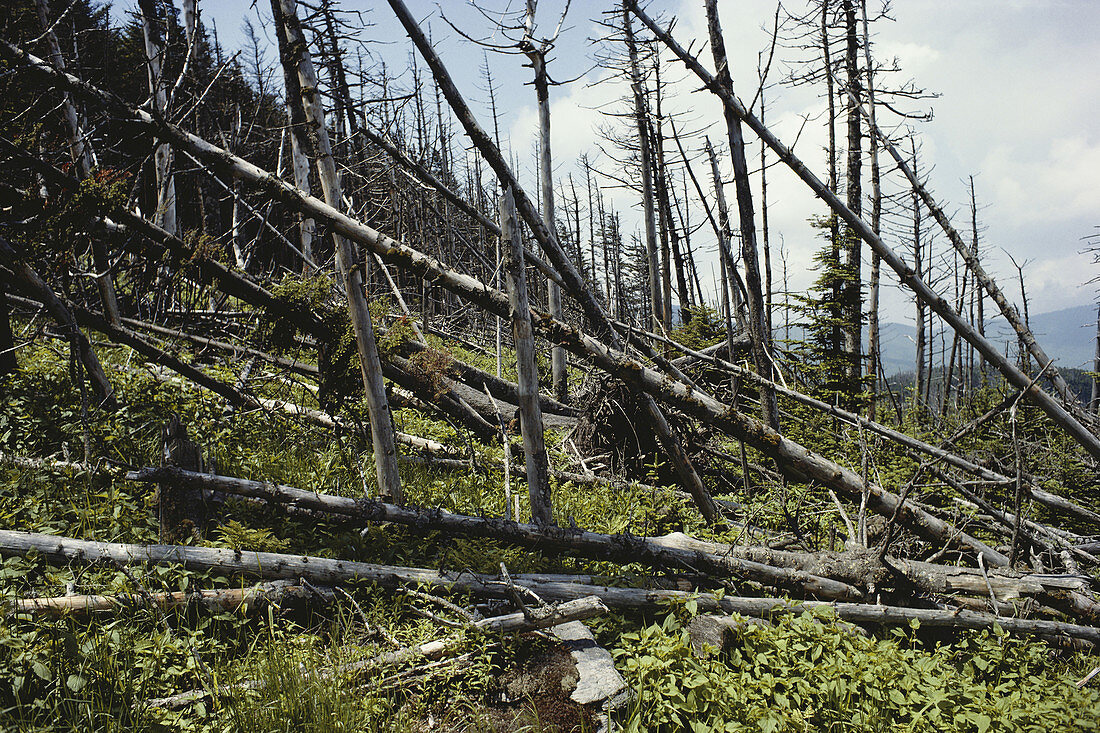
x=1017, y=108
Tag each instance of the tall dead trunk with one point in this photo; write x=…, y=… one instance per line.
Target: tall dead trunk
x=853, y=261
x=732, y=294
x=151, y=21
x=765, y=234
x=758, y=322
x=299, y=144
x=664, y=218
x=560, y=378
x=873, y=346
x=830, y=124
x=977, y=294
x=641, y=116
x=530, y=412
x=385, y=452
x=918, y=265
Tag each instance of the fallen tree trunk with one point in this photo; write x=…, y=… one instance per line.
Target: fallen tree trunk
x=226, y=599
x=331, y=572
x=656, y=552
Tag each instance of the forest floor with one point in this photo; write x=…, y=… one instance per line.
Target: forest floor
x=288, y=667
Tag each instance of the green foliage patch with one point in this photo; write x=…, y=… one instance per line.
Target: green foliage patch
x=808, y=674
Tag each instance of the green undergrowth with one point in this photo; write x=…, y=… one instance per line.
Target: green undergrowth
x=99, y=673
x=806, y=674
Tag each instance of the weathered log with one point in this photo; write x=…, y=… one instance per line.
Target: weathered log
x=657, y=552
x=228, y=599
x=331, y=572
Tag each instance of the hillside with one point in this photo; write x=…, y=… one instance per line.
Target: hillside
x=335, y=398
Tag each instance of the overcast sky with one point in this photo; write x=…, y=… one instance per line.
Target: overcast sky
x=1017, y=108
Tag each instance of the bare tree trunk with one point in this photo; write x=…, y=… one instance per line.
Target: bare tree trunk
x=538, y=478
x=764, y=229
x=919, y=378
x=559, y=376
x=979, y=296
x=758, y=322
x=852, y=307
x=873, y=346
x=299, y=144
x=830, y=123
x=664, y=217
x=729, y=269
x=82, y=159
x=641, y=115
x=151, y=19
x=385, y=452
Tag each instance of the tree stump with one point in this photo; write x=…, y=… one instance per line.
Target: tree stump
x=182, y=508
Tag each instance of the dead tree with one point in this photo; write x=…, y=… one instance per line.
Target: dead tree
x=758, y=320
x=299, y=61
x=645, y=163
x=852, y=294
x=919, y=395
x=873, y=346
x=536, y=51
x=538, y=480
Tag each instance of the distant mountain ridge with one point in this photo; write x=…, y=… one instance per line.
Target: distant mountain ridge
x=1068, y=336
